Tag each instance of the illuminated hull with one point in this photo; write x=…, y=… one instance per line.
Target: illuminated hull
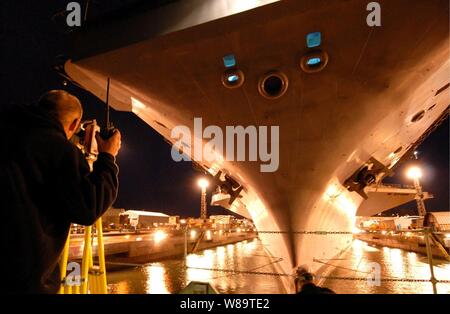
x=360, y=106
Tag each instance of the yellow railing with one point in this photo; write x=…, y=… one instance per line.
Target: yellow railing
x=91, y=278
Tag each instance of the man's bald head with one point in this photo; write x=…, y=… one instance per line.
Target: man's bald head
x=64, y=107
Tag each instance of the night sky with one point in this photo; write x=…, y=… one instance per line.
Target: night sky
x=149, y=179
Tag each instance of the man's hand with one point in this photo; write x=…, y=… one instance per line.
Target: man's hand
x=110, y=145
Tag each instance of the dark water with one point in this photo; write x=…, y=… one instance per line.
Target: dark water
x=170, y=276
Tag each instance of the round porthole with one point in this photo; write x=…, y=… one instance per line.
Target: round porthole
x=418, y=116
x=314, y=61
x=273, y=85
x=233, y=78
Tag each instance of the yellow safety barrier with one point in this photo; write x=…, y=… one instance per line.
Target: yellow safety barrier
x=93, y=277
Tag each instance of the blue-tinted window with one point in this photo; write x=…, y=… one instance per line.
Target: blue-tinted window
x=313, y=61
x=232, y=78
x=229, y=61
x=313, y=39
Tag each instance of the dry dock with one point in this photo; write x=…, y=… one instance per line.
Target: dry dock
x=409, y=241
x=122, y=249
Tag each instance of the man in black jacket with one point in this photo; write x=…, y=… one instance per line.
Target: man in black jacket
x=304, y=283
x=45, y=185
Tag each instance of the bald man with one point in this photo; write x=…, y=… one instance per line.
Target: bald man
x=45, y=185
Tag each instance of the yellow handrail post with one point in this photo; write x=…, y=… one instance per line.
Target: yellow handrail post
x=63, y=264
x=93, y=277
x=101, y=257
x=87, y=260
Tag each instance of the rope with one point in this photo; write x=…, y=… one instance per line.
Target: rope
x=320, y=232
x=245, y=272
x=249, y=272
x=384, y=279
x=255, y=268
x=306, y=232
x=341, y=267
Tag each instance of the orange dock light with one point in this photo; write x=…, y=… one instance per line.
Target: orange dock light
x=203, y=183
x=159, y=236
x=415, y=173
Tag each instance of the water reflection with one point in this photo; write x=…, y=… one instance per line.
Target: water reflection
x=170, y=276
x=204, y=260
x=394, y=263
x=396, y=260
x=156, y=278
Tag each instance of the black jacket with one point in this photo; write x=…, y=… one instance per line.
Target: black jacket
x=45, y=185
x=311, y=288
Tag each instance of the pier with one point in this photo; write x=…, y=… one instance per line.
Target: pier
x=128, y=249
